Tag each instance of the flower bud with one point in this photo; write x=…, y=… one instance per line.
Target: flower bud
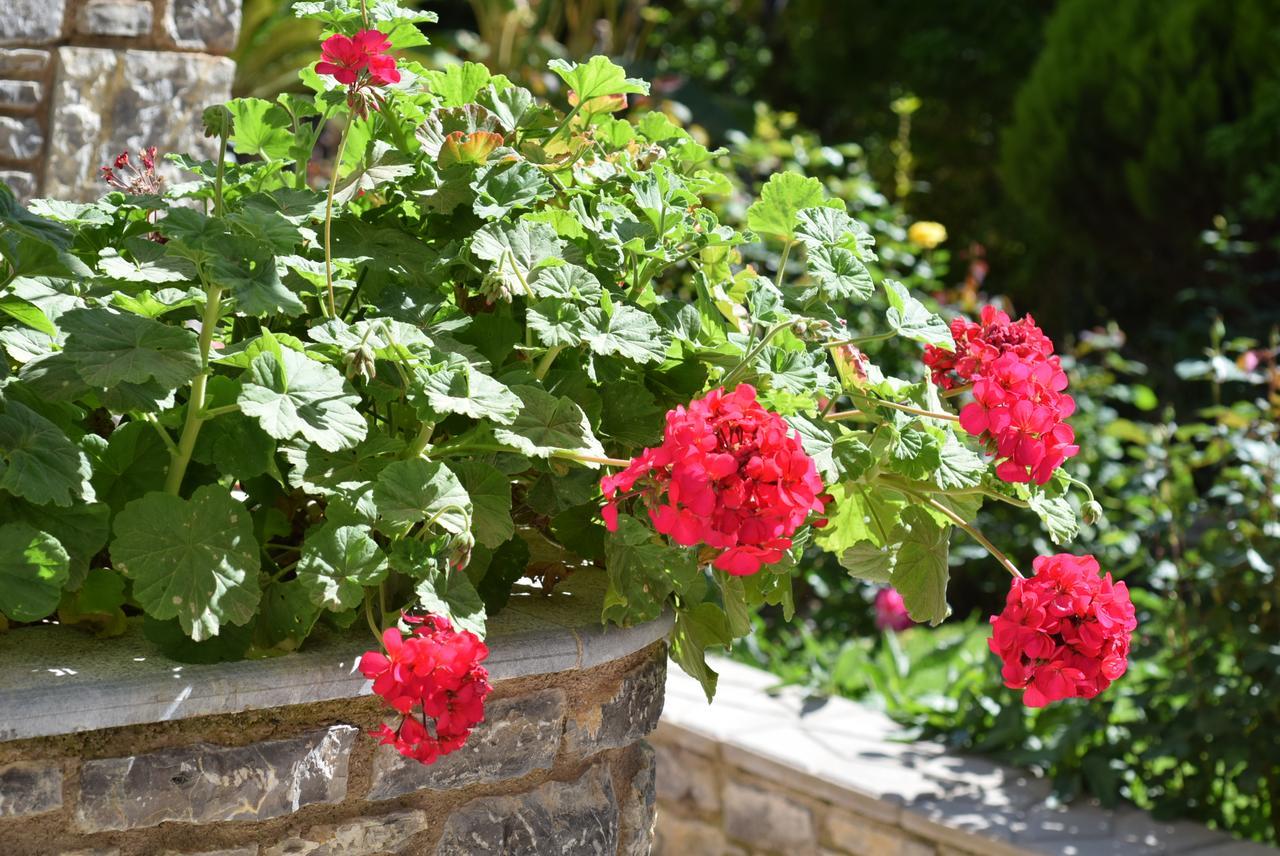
x=1092, y=512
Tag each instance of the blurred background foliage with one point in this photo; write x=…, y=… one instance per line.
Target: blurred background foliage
x=1113, y=168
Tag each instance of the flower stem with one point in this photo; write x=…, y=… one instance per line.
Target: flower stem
x=753, y=353
x=181, y=456
x=973, y=533
x=955, y=391
x=222, y=163
x=328, y=219
x=420, y=441
x=782, y=264
x=893, y=405
x=570, y=455
x=865, y=340
x=368, y=614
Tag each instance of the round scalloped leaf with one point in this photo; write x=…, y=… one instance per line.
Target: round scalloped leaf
x=33, y=569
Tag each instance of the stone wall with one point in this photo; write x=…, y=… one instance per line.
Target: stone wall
x=83, y=80
x=761, y=773
x=559, y=766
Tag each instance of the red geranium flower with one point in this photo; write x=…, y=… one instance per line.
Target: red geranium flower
x=729, y=474
x=360, y=61
x=434, y=672
x=891, y=611
x=1064, y=633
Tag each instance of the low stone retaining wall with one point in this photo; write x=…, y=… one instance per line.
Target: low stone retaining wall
x=559, y=765
x=82, y=80
x=773, y=773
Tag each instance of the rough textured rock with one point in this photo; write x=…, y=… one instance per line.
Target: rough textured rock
x=21, y=95
x=518, y=735
x=627, y=717
x=29, y=788
x=769, y=821
x=679, y=837
x=639, y=808
x=687, y=779
x=106, y=101
x=247, y=850
x=205, y=784
x=390, y=833
x=205, y=25
x=23, y=184
x=23, y=63
x=127, y=18
x=20, y=139
x=562, y=818
x=31, y=21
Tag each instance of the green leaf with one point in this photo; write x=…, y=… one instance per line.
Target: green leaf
x=290, y=394
x=839, y=274
x=285, y=617
x=515, y=252
x=194, y=559
x=597, y=77
x=383, y=165
x=568, y=282
x=860, y=514
x=509, y=563
x=866, y=561
x=503, y=187
x=134, y=463
x=453, y=386
x=33, y=569
x=556, y=322
x=20, y=220
x=261, y=128
x=827, y=226
x=1057, y=516
x=631, y=415
x=168, y=636
x=546, y=424
x=643, y=570
x=38, y=462
x=490, y=493
x=82, y=529
x=920, y=573
x=697, y=629
x=337, y=563
x=149, y=264
x=629, y=333
x=458, y=85
x=909, y=318
x=255, y=284
x=958, y=465
x=236, y=446
x=450, y=593
x=111, y=347
x=913, y=452
x=413, y=491
x=27, y=313
x=781, y=200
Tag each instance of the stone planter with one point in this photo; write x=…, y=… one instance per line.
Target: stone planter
x=108, y=748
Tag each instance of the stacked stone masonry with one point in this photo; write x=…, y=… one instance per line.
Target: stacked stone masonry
x=764, y=773
x=83, y=80
x=559, y=766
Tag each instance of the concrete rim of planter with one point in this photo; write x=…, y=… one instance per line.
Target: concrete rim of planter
x=60, y=680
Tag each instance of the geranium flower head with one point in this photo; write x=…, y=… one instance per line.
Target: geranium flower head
x=359, y=62
x=1064, y=632
x=729, y=474
x=891, y=611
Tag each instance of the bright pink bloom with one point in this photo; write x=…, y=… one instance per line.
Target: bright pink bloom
x=1020, y=405
x=891, y=611
x=729, y=474
x=435, y=670
x=360, y=62
x=1064, y=632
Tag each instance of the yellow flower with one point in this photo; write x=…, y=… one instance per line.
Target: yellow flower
x=927, y=234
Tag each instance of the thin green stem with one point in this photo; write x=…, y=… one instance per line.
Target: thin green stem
x=164, y=434
x=568, y=117
x=863, y=340
x=368, y=615
x=902, y=484
x=218, y=411
x=782, y=265
x=737, y=370
x=893, y=405
x=181, y=456
x=544, y=365
x=973, y=531
x=851, y=415
x=328, y=220
x=222, y=163
x=570, y=455
x=955, y=391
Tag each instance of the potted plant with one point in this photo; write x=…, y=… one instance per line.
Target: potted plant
x=505, y=340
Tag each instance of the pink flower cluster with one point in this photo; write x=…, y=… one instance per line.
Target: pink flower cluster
x=142, y=179
x=891, y=611
x=360, y=61
x=729, y=474
x=435, y=669
x=1020, y=405
x=1064, y=632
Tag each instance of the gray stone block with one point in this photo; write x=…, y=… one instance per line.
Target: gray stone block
x=125, y=18
x=20, y=95
x=577, y=818
x=767, y=820
x=22, y=63
x=205, y=25
x=23, y=184
x=390, y=833
x=33, y=22
x=28, y=788
x=639, y=807
x=518, y=735
x=20, y=139
x=687, y=779
x=627, y=717
x=207, y=784
x=106, y=101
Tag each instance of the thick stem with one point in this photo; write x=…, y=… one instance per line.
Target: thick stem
x=195, y=402
x=973, y=531
x=328, y=220
x=222, y=163
x=420, y=442
x=544, y=365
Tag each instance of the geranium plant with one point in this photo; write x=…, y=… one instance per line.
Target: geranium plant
x=505, y=340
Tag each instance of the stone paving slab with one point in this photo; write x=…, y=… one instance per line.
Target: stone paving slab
x=858, y=759
x=103, y=683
